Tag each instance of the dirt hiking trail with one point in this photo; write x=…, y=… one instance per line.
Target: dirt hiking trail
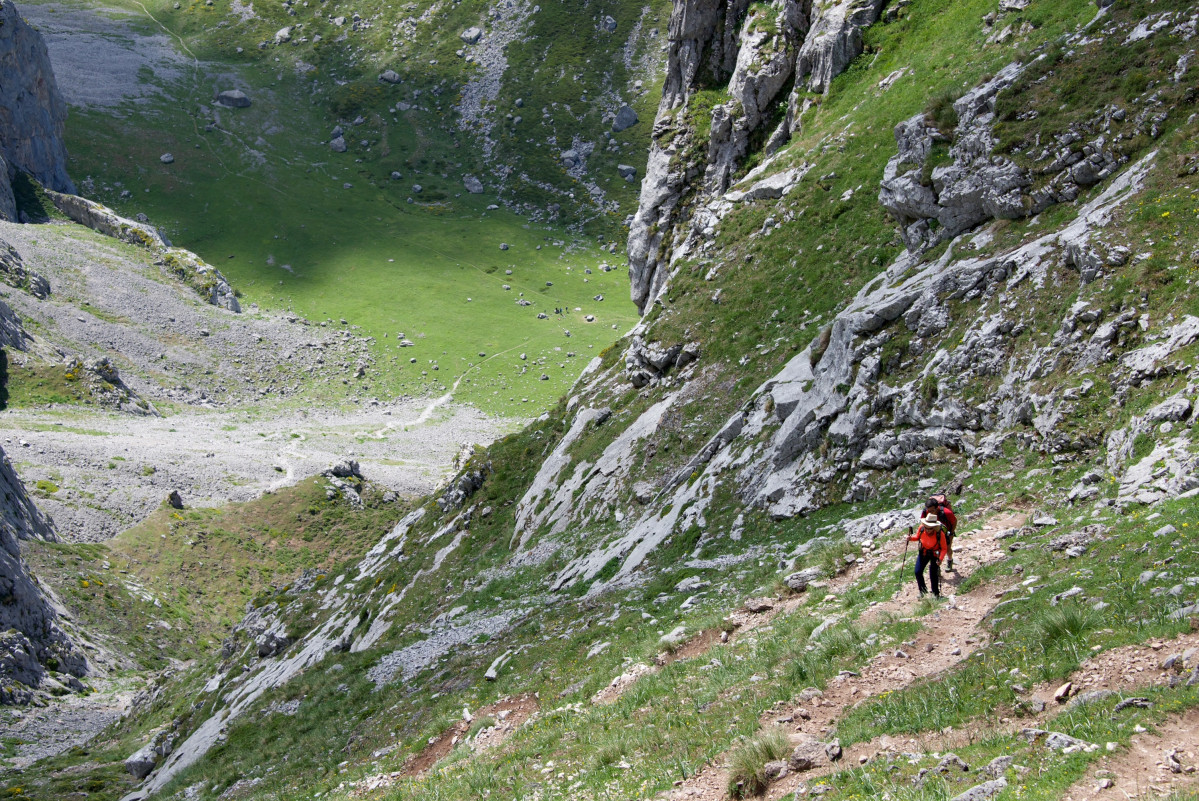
x=950, y=634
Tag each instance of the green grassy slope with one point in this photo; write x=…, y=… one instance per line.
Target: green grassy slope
x=196, y=569
x=260, y=194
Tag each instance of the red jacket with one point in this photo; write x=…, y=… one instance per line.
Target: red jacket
x=931, y=539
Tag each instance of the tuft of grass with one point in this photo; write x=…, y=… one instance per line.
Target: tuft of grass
x=940, y=113
x=479, y=724
x=1063, y=624
x=747, y=763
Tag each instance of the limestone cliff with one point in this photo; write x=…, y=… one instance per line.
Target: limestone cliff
x=32, y=112
x=764, y=54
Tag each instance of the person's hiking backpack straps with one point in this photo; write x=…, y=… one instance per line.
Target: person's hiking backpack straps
x=945, y=512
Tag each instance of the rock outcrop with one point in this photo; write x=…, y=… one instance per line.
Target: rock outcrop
x=758, y=53
x=100, y=218
x=32, y=644
x=14, y=273
x=834, y=417
x=183, y=264
x=12, y=333
x=32, y=112
x=975, y=185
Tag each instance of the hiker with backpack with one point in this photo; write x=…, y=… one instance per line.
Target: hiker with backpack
x=939, y=505
x=932, y=549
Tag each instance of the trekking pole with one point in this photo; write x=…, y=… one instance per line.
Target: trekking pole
x=905, y=552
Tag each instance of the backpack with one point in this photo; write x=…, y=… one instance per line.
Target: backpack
x=945, y=512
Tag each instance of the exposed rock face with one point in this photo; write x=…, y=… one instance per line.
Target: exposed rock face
x=33, y=641
x=711, y=42
x=830, y=411
x=202, y=277
x=32, y=113
x=105, y=385
x=12, y=333
x=8, y=202
x=977, y=186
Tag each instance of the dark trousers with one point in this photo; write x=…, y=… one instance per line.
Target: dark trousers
x=925, y=557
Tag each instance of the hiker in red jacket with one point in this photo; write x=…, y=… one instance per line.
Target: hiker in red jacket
x=933, y=547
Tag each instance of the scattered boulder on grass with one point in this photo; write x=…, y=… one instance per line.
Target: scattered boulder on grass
x=471, y=35
x=952, y=763
x=758, y=605
x=984, y=791
x=674, y=638
x=799, y=581
x=233, y=98
x=167, y=158
x=338, y=144
x=142, y=762
x=389, y=76
x=345, y=469
x=625, y=118
x=997, y=766
x=808, y=755
x=493, y=671
x=473, y=185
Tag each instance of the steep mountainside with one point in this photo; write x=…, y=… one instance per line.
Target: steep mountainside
x=882, y=251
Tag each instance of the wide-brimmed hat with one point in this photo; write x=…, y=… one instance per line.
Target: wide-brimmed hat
x=931, y=521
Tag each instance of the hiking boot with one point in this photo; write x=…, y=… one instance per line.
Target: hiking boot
x=950, y=566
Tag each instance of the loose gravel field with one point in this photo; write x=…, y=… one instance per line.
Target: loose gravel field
x=245, y=402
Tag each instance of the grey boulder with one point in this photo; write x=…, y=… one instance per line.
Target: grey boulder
x=142, y=762
x=233, y=98
x=984, y=791
x=625, y=118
